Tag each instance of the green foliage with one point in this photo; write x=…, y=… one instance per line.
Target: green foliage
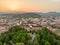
x=29, y=42
x=47, y=37
x=36, y=42
x=20, y=44
x=8, y=43
x=15, y=34
x=20, y=36
x=0, y=43
x=47, y=43
x=57, y=42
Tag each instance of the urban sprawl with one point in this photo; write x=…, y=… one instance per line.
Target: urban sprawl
x=51, y=22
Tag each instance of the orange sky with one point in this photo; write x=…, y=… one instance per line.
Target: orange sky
x=29, y=5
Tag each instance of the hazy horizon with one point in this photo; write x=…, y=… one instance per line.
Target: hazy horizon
x=30, y=5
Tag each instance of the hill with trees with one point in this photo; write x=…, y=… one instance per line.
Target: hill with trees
x=20, y=36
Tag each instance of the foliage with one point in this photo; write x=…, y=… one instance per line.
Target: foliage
x=19, y=43
x=20, y=36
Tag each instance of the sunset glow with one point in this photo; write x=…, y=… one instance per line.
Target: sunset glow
x=29, y=5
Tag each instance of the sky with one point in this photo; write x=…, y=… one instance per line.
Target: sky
x=29, y=5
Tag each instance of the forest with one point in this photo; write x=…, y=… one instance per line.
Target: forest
x=20, y=36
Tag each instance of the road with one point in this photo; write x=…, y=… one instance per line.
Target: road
x=33, y=37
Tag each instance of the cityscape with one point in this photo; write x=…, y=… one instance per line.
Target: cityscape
x=32, y=23
x=50, y=21
x=29, y=22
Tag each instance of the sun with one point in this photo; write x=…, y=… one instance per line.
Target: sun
x=13, y=6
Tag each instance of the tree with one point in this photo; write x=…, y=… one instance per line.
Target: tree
x=58, y=42
x=0, y=43
x=29, y=42
x=47, y=43
x=36, y=42
x=20, y=44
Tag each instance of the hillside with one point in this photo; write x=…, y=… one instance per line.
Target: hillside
x=20, y=36
x=21, y=15
x=27, y=15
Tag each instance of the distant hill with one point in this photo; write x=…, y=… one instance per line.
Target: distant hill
x=21, y=15
x=27, y=15
x=54, y=13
